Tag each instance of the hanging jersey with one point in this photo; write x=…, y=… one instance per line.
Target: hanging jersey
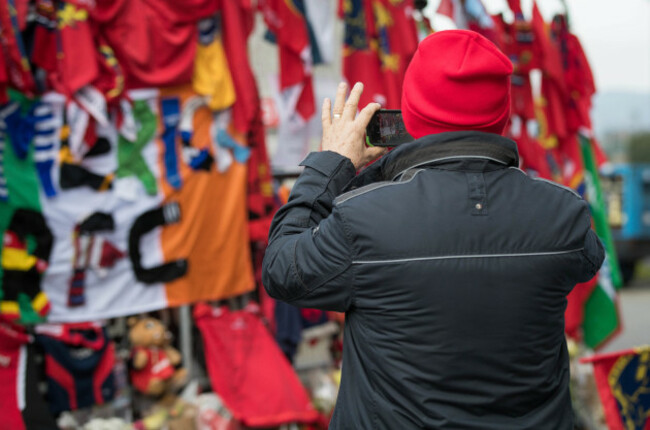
x=154, y=41
x=76, y=51
x=211, y=72
x=215, y=204
x=23, y=408
x=239, y=352
x=78, y=377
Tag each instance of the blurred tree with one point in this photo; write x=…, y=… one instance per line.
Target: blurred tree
x=638, y=147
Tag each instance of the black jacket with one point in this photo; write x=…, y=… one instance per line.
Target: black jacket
x=453, y=267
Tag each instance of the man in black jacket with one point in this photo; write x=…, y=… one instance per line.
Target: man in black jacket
x=451, y=264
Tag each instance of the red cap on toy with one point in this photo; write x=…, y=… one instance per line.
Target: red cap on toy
x=457, y=80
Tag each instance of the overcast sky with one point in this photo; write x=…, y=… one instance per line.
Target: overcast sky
x=614, y=34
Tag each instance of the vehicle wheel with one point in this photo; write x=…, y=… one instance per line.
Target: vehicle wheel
x=627, y=271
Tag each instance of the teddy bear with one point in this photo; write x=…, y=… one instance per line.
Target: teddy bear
x=155, y=364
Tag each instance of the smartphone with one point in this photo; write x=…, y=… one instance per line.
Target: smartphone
x=386, y=128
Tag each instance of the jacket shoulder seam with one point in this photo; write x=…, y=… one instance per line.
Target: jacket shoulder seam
x=370, y=187
x=546, y=181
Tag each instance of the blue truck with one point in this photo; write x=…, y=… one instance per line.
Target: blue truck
x=626, y=188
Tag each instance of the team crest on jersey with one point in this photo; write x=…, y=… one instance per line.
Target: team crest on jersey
x=69, y=15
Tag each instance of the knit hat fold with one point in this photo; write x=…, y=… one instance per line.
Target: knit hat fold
x=457, y=80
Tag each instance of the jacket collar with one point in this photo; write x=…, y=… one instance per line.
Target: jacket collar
x=438, y=148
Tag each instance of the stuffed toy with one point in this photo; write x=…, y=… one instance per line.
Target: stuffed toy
x=155, y=364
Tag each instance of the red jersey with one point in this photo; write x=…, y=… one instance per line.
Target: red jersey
x=154, y=41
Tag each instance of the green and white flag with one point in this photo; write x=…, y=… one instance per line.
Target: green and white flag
x=601, y=317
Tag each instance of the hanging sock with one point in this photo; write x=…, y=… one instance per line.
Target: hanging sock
x=73, y=175
x=20, y=130
x=171, y=117
x=98, y=221
x=46, y=135
x=220, y=120
x=4, y=191
x=166, y=272
x=91, y=251
x=197, y=159
x=101, y=147
x=76, y=296
x=240, y=152
x=22, y=269
x=129, y=154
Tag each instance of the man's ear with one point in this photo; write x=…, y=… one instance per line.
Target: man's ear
x=131, y=321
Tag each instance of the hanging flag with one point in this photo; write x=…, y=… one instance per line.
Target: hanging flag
x=479, y=20
x=515, y=7
x=320, y=22
x=516, y=41
x=237, y=22
x=578, y=77
x=446, y=8
x=295, y=93
x=601, y=316
x=360, y=53
x=454, y=10
x=397, y=38
x=13, y=50
x=531, y=154
x=553, y=83
x=623, y=382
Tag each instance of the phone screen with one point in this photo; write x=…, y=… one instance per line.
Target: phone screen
x=386, y=128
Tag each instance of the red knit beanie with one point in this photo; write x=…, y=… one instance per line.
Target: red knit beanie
x=457, y=80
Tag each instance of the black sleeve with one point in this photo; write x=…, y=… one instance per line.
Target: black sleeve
x=308, y=260
x=593, y=254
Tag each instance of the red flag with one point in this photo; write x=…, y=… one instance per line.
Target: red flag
x=289, y=26
x=12, y=49
x=515, y=7
x=551, y=62
x=237, y=25
x=623, y=381
x=601, y=157
x=4, y=79
x=516, y=41
x=577, y=74
x=575, y=310
x=398, y=41
x=446, y=7
x=360, y=58
x=44, y=50
x=554, y=90
x=570, y=155
x=532, y=155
